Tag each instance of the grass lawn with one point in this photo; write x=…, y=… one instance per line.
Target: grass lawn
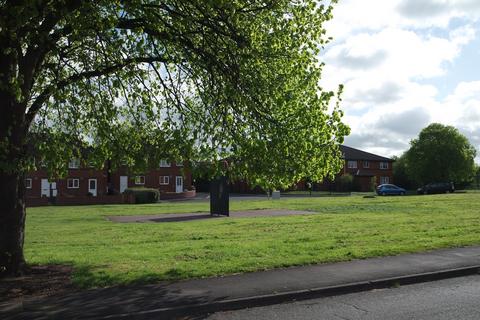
x=319, y=193
x=106, y=253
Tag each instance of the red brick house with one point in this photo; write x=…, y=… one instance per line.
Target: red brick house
x=85, y=185
x=366, y=168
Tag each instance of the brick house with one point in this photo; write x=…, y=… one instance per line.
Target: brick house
x=365, y=167
x=85, y=185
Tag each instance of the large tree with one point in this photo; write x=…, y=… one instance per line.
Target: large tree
x=400, y=175
x=440, y=154
x=190, y=79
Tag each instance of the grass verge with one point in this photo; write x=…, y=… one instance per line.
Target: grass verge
x=106, y=253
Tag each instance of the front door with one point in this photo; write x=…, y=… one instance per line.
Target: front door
x=179, y=184
x=123, y=183
x=92, y=187
x=45, y=191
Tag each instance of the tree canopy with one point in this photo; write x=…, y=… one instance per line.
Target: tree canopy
x=180, y=79
x=400, y=175
x=440, y=154
x=201, y=80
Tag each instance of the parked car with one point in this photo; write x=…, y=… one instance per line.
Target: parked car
x=390, y=189
x=437, y=187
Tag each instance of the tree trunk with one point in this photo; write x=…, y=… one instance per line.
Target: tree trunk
x=13, y=131
x=12, y=224
x=16, y=81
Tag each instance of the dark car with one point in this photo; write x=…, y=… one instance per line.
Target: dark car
x=437, y=187
x=390, y=189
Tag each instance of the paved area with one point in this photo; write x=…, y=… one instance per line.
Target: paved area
x=177, y=217
x=164, y=299
x=457, y=298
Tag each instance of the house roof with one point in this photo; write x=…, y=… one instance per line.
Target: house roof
x=350, y=153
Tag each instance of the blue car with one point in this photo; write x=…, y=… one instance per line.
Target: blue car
x=390, y=189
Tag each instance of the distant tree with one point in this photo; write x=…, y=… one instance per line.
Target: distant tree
x=477, y=176
x=189, y=79
x=400, y=175
x=440, y=153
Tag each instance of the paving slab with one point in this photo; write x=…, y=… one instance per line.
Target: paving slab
x=168, y=300
x=178, y=217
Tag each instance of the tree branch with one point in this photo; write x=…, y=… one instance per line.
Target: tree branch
x=47, y=93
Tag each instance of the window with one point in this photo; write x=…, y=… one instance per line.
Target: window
x=74, y=163
x=384, y=180
x=140, y=180
x=164, y=180
x=28, y=183
x=73, y=183
x=179, y=164
x=366, y=164
x=383, y=165
x=352, y=164
x=164, y=163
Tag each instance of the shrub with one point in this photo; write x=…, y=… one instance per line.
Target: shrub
x=144, y=195
x=373, y=184
x=346, y=182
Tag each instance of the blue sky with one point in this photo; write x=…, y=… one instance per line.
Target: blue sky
x=405, y=64
x=464, y=68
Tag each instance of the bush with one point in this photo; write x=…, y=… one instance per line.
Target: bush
x=346, y=182
x=373, y=184
x=143, y=195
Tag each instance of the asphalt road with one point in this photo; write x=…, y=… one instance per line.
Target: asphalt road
x=456, y=298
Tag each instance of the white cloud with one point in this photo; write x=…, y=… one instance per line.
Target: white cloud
x=351, y=16
x=393, y=53
x=387, y=53
x=389, y=129
x=462, y=107
x=433, y=9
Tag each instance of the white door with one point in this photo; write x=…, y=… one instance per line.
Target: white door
x=46, y=186
x=123, y=183
x=179, y=184
x=45, y=191
x=92, y=186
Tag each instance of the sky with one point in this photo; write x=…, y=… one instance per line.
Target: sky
x=405, y=64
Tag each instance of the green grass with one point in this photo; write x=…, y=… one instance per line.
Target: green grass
x=319, y=193
x=107, y=253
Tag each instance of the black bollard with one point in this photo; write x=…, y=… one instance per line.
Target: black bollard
x=219, y=197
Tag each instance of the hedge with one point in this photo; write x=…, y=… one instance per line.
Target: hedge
x=144, y=195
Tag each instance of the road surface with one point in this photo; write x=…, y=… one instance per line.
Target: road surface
x=456, y=298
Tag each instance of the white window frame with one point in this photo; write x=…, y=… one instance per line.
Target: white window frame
x=74, y=163
x=366, y=164
x=383, y=165
x=75, y=183
x=164, y=180
x=138, y=180
x=165, y=164
x=179, y=164
x=384, y=180
x=28, y=183
x=352, y=164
